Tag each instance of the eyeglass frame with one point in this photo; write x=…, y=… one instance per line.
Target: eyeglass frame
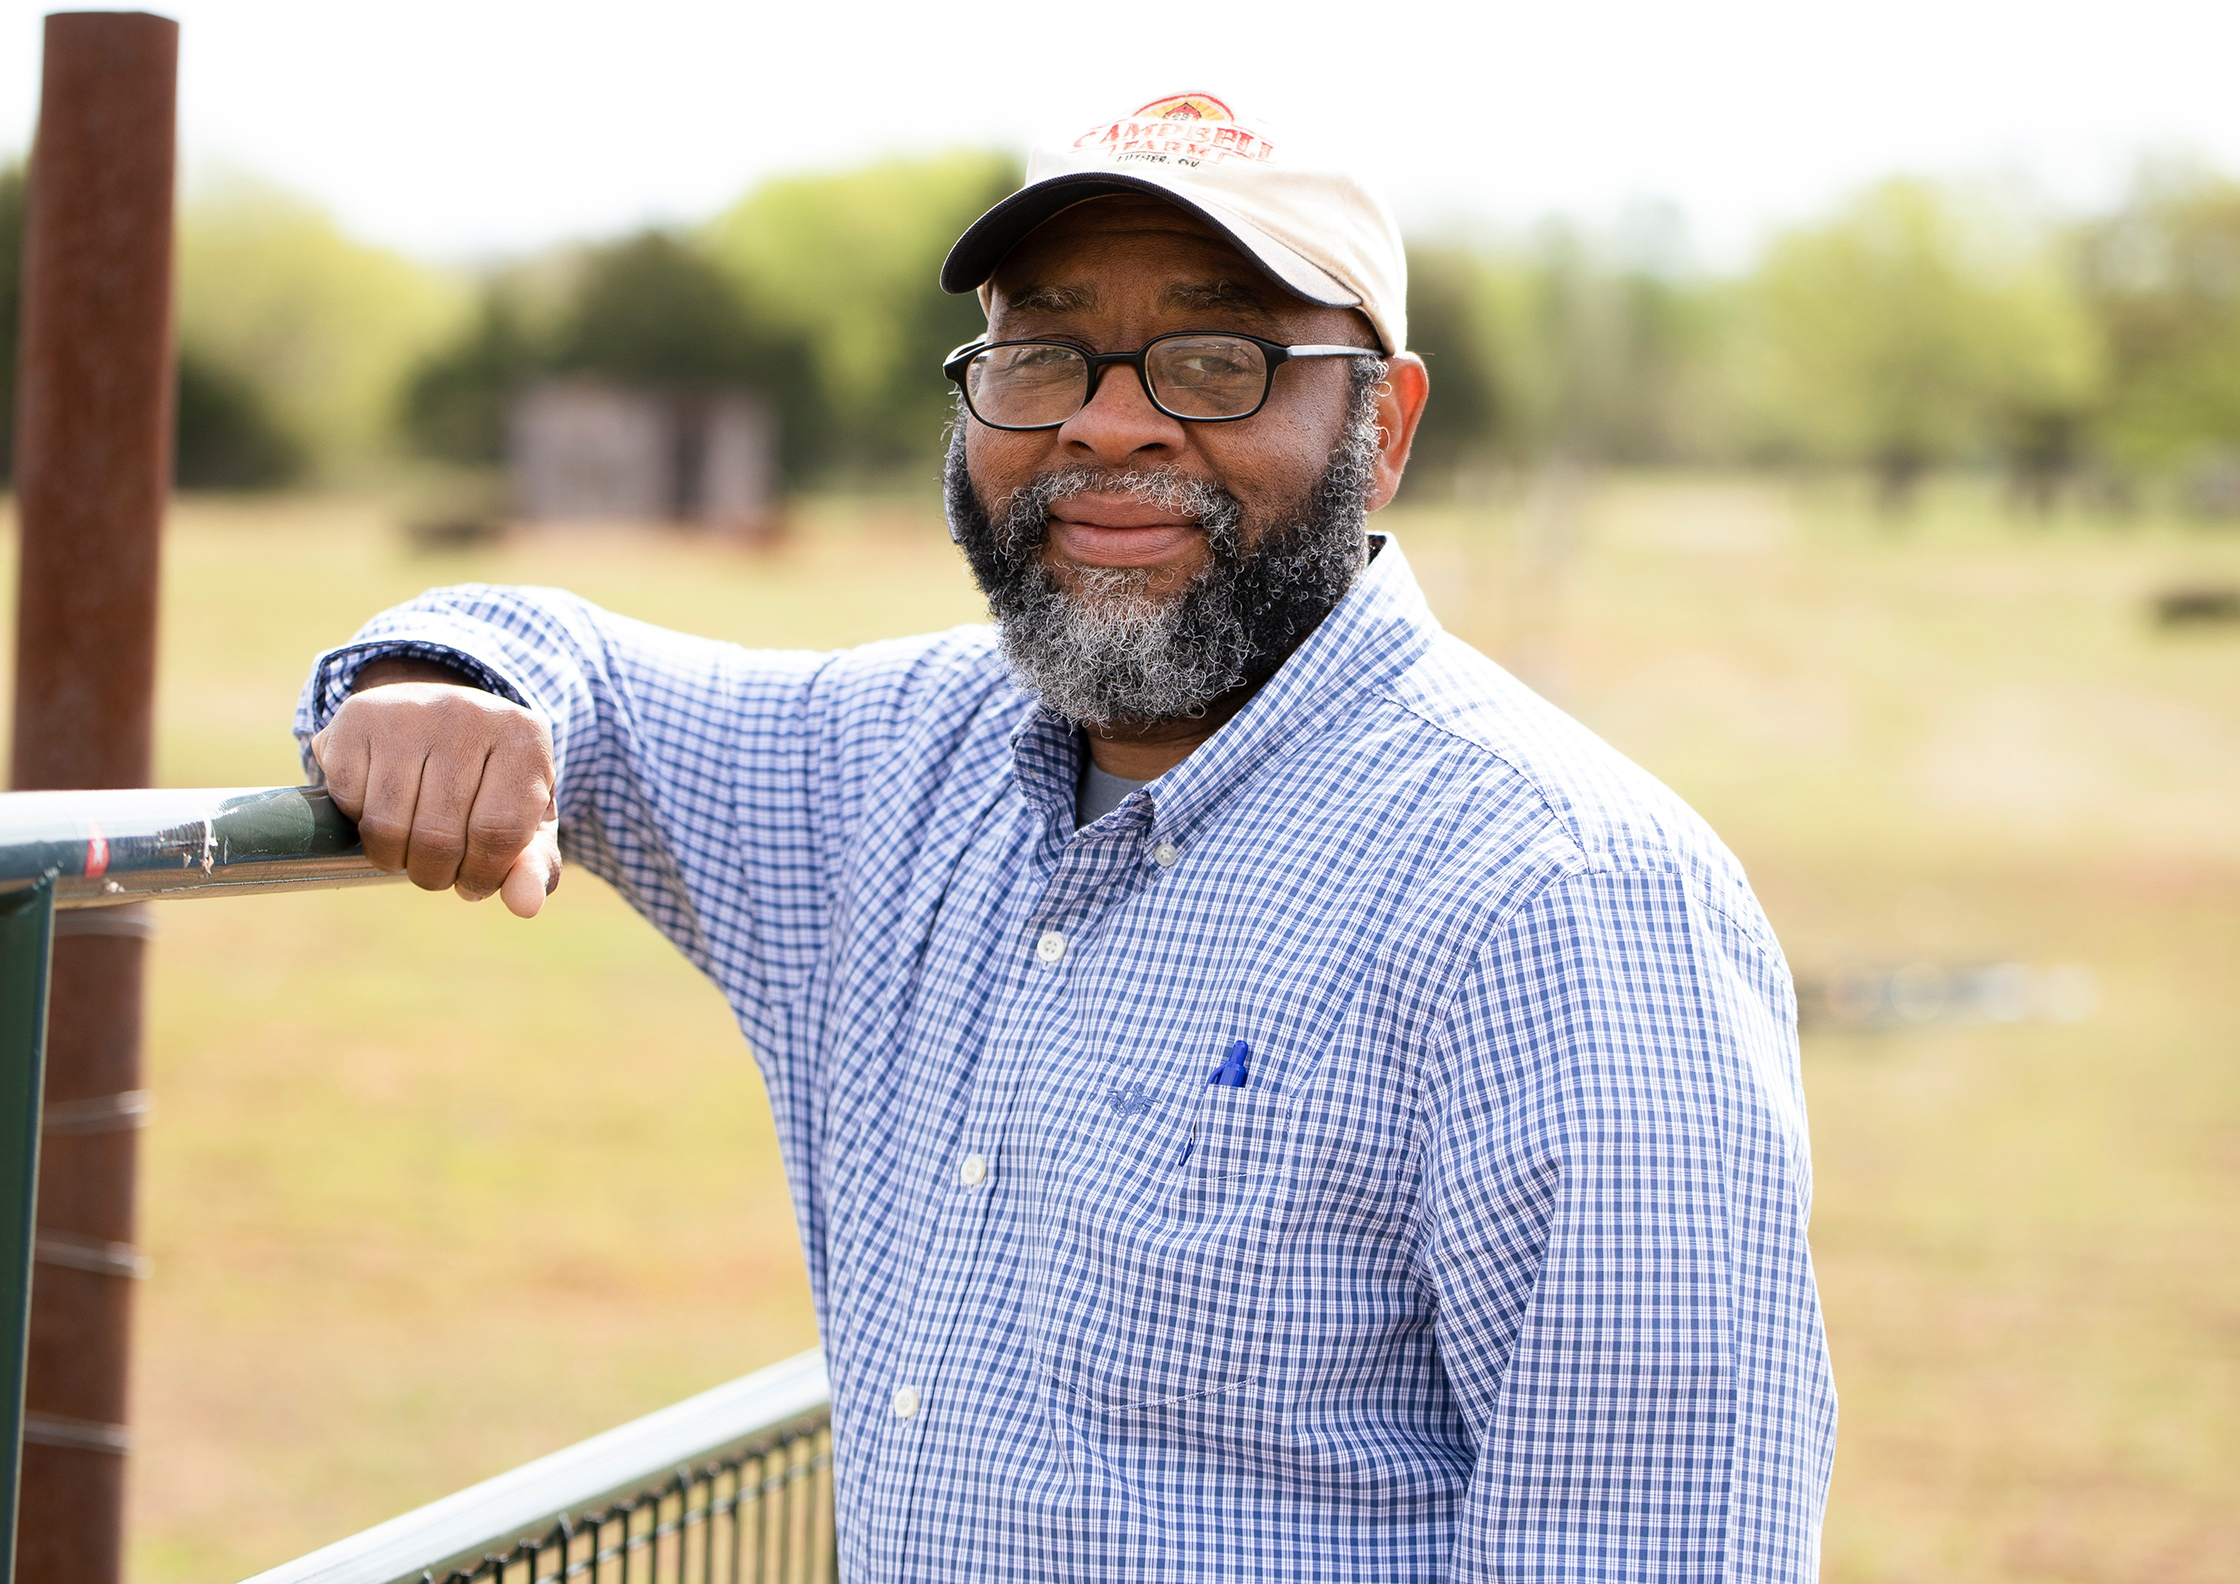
x=1277, y=354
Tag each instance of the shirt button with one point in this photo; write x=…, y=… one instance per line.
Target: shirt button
x=905, y=1401
x=974, y=1171
x=1051, y=948
x=1165, y=855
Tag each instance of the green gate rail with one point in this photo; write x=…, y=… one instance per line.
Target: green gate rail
x=26, y=932
x=109, y=847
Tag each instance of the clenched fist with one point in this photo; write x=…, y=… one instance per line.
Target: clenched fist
x=451, y=785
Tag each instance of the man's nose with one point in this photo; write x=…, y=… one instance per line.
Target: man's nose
x=1118, y=424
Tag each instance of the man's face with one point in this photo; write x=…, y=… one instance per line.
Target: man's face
x=1140, y=566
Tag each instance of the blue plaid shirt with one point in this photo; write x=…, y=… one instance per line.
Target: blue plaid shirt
x=1493, y=1268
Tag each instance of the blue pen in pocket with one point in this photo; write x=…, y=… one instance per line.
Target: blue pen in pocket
x=1229, y=1075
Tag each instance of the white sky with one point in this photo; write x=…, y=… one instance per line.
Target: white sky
x=457, y=129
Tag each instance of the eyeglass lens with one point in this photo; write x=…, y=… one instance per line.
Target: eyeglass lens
x=1040, y=383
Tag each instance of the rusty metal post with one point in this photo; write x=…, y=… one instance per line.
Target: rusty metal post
x=93, y=470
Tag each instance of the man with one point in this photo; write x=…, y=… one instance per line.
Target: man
x=1265, y=1095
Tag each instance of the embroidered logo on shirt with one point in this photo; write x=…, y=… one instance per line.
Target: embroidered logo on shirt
x=1129, y=1099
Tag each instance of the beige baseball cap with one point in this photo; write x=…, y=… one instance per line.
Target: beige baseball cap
x=1311, y=225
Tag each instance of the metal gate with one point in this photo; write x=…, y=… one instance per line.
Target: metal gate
x=731, y=1487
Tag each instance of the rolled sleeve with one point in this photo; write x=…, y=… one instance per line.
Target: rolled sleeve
x=685, y=767
x=334, y=676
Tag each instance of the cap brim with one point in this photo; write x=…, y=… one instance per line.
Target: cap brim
x=983, y=247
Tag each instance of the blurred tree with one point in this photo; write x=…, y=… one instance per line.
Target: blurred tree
x=1666, y=399
x=1597, y=348
x=655, y=309
x=454, y=405
x=651, y=309
x=1463, y=424
x=2162, y=276
x=850, y=264
x=1615, y=330
x=2048, y=376
x=227, y=437
x=322, y=327
x=11, y=307
x=1909, y=331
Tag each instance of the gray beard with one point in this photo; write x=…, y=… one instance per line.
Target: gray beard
x=1109, y=651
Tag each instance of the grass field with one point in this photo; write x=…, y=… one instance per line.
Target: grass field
x=432, y=1191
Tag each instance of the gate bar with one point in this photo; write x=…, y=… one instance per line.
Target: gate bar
x=26, y=935
x=111, y=847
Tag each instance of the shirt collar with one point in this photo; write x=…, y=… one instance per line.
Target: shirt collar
x=1379, y=629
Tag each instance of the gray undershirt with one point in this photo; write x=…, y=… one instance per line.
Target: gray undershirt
x=1099, y=793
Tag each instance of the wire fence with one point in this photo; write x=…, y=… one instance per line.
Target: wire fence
x=733, y=1486
x=756, y=1517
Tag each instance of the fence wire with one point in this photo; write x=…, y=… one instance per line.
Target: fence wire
x=761, y=1515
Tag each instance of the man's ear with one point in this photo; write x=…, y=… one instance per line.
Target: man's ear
x=1400, y=399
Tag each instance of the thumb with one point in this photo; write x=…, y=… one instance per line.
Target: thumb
x=535, y=875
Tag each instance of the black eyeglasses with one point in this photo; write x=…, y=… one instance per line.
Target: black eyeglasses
x=1198, y=376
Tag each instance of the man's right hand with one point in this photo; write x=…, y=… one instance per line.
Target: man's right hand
x=450, y=785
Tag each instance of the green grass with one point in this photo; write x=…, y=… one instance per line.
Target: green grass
x=431, y=1191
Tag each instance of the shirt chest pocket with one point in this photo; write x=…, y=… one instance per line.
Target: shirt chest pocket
x=1236, y=1133
x=1164, y=1260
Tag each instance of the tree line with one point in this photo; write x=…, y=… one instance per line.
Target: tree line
x=1919, y=326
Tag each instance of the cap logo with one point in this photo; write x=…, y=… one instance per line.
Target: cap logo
x=1187, y=107
x=1181, y=129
